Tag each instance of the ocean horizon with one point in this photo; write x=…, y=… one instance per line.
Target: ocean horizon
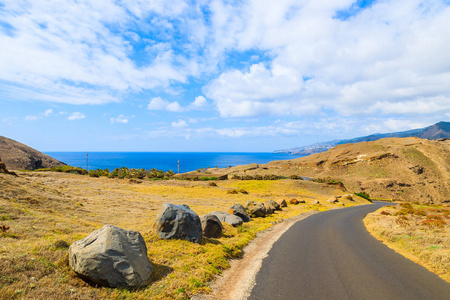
x=188, y=161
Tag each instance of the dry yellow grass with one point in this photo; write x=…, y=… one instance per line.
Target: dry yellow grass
x=418, y=232
x=48, y=211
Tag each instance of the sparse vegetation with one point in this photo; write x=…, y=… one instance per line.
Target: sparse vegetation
x=258, y=177
x=419, y=232
x=120, y=173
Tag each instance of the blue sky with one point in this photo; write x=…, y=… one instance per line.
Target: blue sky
x=172, y=75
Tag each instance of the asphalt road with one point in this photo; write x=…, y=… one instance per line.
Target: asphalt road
x=331, y=255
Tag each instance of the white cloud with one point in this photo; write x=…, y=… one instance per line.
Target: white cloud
x=158, y=103
x=179, y=124
x=391, y=58
x=253, y=57
x=121, y=119
x=47, y=113
x=76, y=116
x=199, y=102
x=70, y=52
x=32, y=118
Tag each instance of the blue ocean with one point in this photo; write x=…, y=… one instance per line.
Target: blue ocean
x=188, y=161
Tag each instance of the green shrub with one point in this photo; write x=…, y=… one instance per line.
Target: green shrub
x=364, y=195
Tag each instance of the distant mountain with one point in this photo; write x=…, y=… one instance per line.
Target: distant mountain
x=439, y=130
x=17, y=156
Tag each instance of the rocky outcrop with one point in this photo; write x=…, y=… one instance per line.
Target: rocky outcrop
x=17, y=156
x=228, y=218
x=283, y=203
x=239, y=210
x=178, y=222
x=255, y=209
x=211, y=226
x=112, y=257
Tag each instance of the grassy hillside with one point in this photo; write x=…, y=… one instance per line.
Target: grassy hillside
x=408, y=169
x=47, y=211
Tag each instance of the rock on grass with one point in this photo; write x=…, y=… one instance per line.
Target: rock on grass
x=112, y=257
x=178, y=222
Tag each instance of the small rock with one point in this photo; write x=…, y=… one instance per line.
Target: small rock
x=348, y=197
x=228, y=218
x=294, y=201
x=332, y=200
x=255, y=209
x=269, y=208
x=283, y=203
x=112, y=257
x=178, y=222
x=239, y=210
x=211, y=226
x=315, y=202
x=275, y=204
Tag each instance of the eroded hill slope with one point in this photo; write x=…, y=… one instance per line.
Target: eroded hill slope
x=409, y=169
x=18, y=156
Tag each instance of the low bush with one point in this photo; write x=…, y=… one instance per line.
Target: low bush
x=208, y=178
x=363, y=195
x=406, y=205
x=237, y=191
x=432, y=223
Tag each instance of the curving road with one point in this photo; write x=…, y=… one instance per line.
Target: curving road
x=331, y=255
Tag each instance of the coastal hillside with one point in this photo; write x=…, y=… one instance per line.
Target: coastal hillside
x=408, y=169
x=18, y=156
x=439, y=130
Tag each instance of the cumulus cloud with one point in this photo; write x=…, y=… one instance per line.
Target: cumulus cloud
x=76, y=116
x=158, y=103
x=121, y=119
x=389, y=58
x=199, y=102
x=252, y=57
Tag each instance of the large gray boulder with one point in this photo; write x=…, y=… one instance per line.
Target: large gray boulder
x=112, y=257
x=211, y=226
x=239, y=210
x=178, y=222
x=255, y=209
x=228, y=218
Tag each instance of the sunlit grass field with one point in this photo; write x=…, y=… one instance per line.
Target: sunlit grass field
x=419, y=232
x=47, y=211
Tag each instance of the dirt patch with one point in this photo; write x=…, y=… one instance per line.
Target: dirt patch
x=238, y=281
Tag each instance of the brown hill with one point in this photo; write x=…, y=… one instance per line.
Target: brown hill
x=17, y=156
x=409, y=169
